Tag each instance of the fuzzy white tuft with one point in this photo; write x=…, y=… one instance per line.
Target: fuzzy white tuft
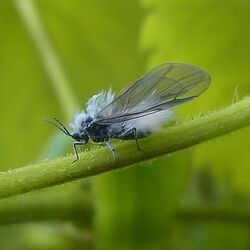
x=78, y=118
x=97, y=102
x=151, y=122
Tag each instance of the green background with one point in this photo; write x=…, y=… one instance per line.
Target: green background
x=98, y=44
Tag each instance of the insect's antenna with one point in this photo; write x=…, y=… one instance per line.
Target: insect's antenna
x=66, y=130
x=63, y=129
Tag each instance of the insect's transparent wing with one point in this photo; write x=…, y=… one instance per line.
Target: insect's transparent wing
x=164, y=87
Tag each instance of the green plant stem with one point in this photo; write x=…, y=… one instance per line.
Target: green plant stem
x=227, y=213
x=94, y=162
x=78, y=207
x=60, y=204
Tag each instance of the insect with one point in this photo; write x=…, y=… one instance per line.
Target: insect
x=139, y=109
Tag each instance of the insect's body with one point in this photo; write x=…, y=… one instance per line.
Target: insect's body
x=140, y=109
x=129, y=134
x=97, y=133
x=101, y=133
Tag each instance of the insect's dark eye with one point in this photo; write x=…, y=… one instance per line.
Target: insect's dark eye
x=76, y=136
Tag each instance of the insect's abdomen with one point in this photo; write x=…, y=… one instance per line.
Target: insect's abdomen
x=127, y=133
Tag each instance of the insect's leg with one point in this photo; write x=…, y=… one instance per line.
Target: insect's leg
x=136, y=139
x=134, y=130
x=77, y=143
x=110, y=147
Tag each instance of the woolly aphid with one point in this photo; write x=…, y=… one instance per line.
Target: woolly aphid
x=139, y=109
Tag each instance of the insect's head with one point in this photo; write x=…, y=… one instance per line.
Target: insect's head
x=78, y=136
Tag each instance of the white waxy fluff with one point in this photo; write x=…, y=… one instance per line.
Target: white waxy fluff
x=78, y=118
x=97, y=102
x=151, y=122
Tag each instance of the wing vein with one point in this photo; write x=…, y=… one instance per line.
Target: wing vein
x=164, y=87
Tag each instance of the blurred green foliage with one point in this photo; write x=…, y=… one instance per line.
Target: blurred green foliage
x=103, y=43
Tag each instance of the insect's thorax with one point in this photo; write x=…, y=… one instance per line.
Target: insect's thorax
x=97, y=132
